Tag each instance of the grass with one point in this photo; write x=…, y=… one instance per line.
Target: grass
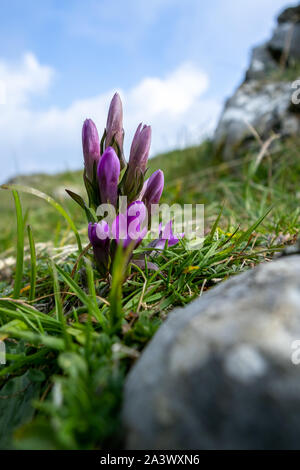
x=20, y=246
x=286, y=74
x=72, y=337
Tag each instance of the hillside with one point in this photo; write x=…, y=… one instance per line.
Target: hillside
x=192, y=175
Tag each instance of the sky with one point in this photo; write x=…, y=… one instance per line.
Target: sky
x=173, y=62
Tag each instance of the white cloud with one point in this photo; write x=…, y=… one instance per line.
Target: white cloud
x=24, y=79
x=50, y=140
x=173, y=95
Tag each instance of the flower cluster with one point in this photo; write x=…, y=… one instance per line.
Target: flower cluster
x=107, y=177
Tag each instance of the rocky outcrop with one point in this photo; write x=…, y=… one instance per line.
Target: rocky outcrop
x=223, y=372
x=264, y=99
x=287, y=34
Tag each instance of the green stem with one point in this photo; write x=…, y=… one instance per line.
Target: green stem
x=20, y=246
x=33, y=263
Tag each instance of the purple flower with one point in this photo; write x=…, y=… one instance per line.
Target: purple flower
x=108, y=176
x=91, y=147
x=137, y=164
x=99, y=238
x=132, y=226
x=166, y=234
x=137, y=221
x=140, y=148
x=114, y=125
x=152, y=190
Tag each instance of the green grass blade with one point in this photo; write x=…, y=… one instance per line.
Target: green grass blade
x=33, y=263
x=115, y=296
x=245, y=236
x=91, y=283
x=89, y=327
x=214, y=227
x=51, y=342
x=59, y=306
x=85, y=299
x=56, y=290
x=51, y=201
x=49, y=323
x=20, y=246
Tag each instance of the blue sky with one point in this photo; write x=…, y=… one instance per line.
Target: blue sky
x=174, y=63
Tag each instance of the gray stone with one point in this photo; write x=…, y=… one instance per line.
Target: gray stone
x=219, y=372
x=264, y=99
x=286, y=36
x=266, y=106
x=261, y=63
x=291, y=14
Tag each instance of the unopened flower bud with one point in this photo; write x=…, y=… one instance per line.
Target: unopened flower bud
x=108, y=176
x=91, y=147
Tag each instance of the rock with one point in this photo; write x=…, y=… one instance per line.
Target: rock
x=261, y=63
x=264, y=106
x=286, y=35
x=264, y=100
x=219, y=373
x=291, y=14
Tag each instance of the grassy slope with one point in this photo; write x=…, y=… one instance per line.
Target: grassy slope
x=72, y=354
x=191, y=176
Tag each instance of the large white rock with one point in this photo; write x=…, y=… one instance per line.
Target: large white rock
x=264, y=99
x=219, y=373
x=264, y=106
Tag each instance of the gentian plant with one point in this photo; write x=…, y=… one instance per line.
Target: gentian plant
x=109, y=179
